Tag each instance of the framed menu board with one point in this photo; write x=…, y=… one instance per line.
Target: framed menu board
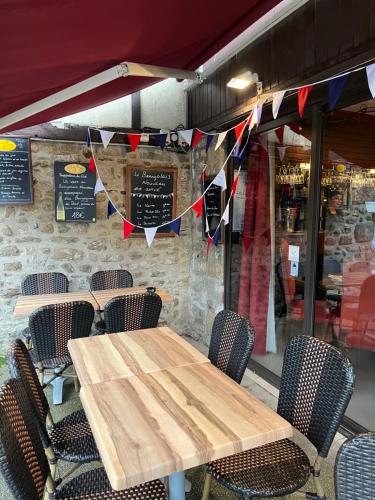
x=151, y=196
x=212, y=208
x=16, y=187
x=74, y=192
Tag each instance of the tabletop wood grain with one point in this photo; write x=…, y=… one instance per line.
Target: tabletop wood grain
x=103, y=296
x=106, y=357
x=151, y=425
x=26, y=304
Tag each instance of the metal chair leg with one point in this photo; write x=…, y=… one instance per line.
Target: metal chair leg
x=207, y=486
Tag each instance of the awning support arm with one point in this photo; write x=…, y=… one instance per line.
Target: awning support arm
x=121, y=70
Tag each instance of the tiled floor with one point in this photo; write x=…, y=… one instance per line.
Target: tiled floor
x=253, y=383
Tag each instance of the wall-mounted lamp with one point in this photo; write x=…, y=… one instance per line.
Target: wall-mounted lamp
x=243, y=80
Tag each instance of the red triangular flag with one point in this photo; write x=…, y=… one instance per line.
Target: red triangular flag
x=198, y=207
x=209, y=241
x=248, y=121
x=92, y=165
x=280, y=134
x=128, y=228
x=134, y=140
x=197, y=137
x=234, y=185
x=239, y=129
x=295, y=127
x=303, y=93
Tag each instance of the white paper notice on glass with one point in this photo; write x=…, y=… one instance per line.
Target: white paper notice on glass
x=239, y=201
x=293, y=254
x=370, y=206
x=294, y=269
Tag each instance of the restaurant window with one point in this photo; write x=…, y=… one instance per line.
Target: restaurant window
x=269, y=239
x=346, y=260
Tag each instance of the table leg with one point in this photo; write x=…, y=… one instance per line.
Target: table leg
x=177, y=486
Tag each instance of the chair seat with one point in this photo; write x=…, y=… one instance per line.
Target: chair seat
x=275, y=469
x=95, y=485
x=101, y=327
x=52, y=362
x=72, y=439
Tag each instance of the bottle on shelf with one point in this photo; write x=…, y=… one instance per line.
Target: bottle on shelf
x=60, y=209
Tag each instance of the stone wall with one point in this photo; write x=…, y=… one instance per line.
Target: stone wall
x=206, y=272
x=31, y=241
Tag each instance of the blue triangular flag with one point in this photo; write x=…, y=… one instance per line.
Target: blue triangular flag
x=161, y=139
x=335, y=88
x=175, y=226
x=110, y=210
x=236, y=150
x=88, y=138
x=208, y=141
x=216, y=237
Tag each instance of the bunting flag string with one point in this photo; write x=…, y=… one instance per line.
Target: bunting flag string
x=370, y=71
x=303, y=94
x=220, y=139
x=128, y=228
x=277, y=99
x=208, y=141
x=150, y=234
x=110, y=209
x=198, y=207
x=134, y=140
x=197, y=137
x=106, y=136
x=98, y=186
x=336, y=86
x=161, y=139
x=175, y=226
x=92, y=166
x=186, y=136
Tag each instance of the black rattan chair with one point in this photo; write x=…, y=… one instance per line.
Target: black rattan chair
x=42, y=283
x=105, y=280
x=316, y=386
x=51, y=327
x=132, y=312
x=69, y=439
x=232, y=342
x=24, y=466
x=355, y=468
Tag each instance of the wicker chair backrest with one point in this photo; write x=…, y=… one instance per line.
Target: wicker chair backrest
x=132, y=312
x=23, y=463
x=105, y=280
x=40, y=283
x=355, y=468
x=52, y=326
x=20, y=366
x=316, y=386
x=231, y=344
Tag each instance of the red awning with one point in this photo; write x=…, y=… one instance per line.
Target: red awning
x=48, y=46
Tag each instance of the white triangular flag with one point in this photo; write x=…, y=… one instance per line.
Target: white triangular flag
x=186, y=135
x=220, y=139
x=281, y=150
x=226, y=215
x=150, y=234
x=256, y=116
x=370, y=70
x=106, y=136
x=277, y=99
x=220, y=180
x=98, y=186
x=207, y=226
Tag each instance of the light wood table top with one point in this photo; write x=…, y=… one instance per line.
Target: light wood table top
x=103, y=296
x=152, y=425
x=107, y=357
x=26, y=304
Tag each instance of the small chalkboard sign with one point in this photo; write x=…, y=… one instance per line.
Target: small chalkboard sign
x=15, y=171
x=151, y=198
x=212, y=207
x=74, y=192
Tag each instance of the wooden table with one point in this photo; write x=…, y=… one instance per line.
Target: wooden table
x=156, y=424
x=119, y=355
x=26, y=304
x=156, y=407
x=103, y=296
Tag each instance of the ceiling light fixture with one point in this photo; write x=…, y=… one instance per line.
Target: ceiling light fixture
x=243, y=80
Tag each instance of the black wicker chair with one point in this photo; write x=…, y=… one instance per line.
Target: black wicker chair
x=132, y=312
x=232, y=342
x=355, y=468
x=42, y=283
x=51, y=327
x=71, y=438
x=316, y=386
x=24, y=466
x=105, y=280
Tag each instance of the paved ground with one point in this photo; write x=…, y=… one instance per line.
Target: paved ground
x=260, y=389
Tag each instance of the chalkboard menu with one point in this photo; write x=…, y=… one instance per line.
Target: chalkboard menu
x=151, y=198
x=15, y=171
x=74, y=192
x=212, y=207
